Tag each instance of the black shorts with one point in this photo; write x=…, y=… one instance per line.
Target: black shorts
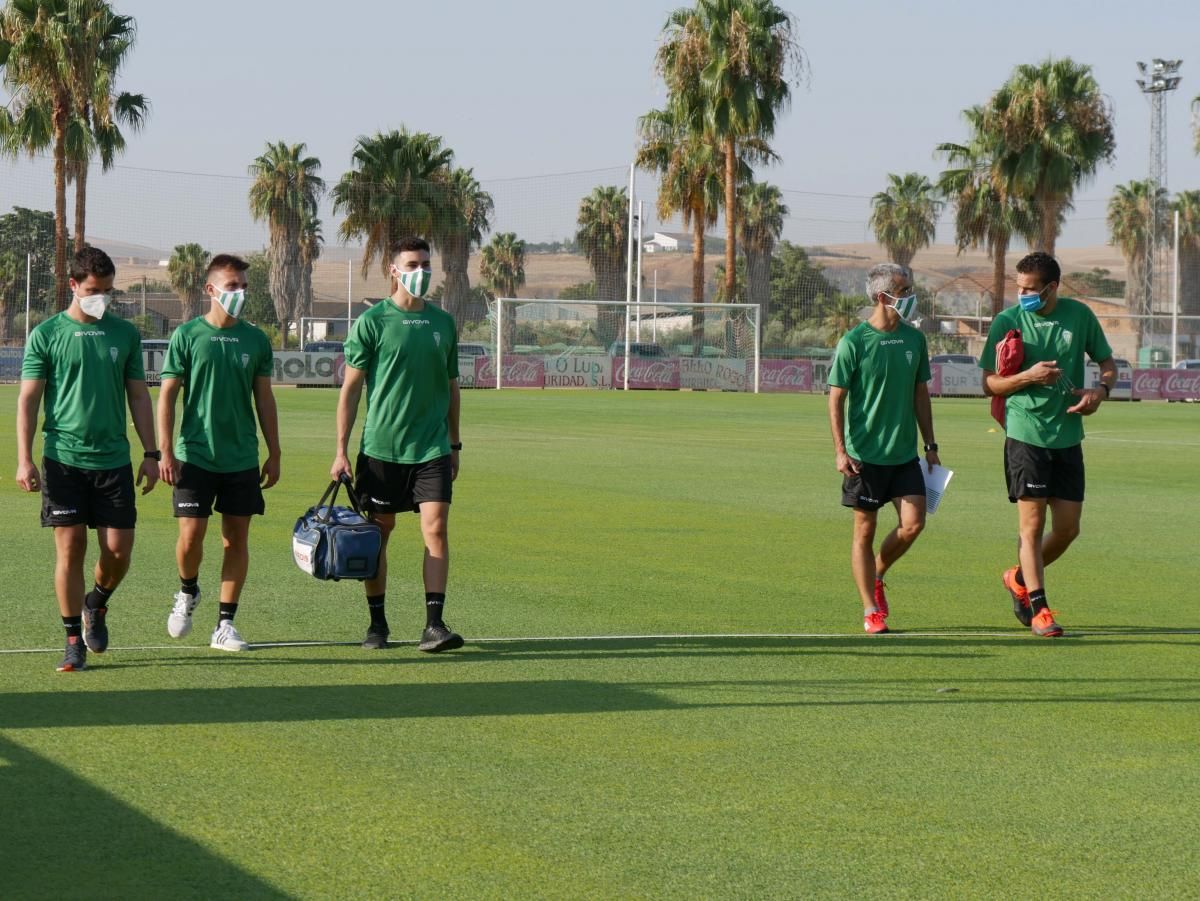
x=236, y=493
x=875, y=485
x=96, y=498
x=1033, y=471
x=384, y=487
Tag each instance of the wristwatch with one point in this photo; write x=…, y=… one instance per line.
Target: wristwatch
x=1107, y=390
x=153, y=455
x=454, y=447
x=931, y=448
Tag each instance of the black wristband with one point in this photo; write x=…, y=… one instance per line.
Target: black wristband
x=152, y=455
x=931, y=448
x=1107, y=390
x=455, y=447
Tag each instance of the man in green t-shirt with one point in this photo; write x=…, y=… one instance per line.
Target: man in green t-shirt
x=223, y=365
x=1044, y=410
x=406, y=353
x=88, y=365
x=878, y=398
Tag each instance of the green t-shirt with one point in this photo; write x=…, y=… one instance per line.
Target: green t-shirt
x=1038, y=414
x=85, y=366
x=410, y=358
x=217, y=367
x=880, y=371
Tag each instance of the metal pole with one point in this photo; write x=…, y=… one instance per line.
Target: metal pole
x=654, y=320
x=349, y=295
x=143, y=297
x=757, y=337
x=629, y=271
x=639, y=269
x=28, y=291
x=499, y=338
x=1175, y=299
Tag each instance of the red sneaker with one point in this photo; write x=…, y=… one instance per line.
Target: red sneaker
x=881, y=597
x=874, y=623
x=1045, y=626
x=1020, y=597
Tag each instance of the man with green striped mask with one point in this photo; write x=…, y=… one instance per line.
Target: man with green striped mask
x=223, y=366
x=878, y=398
x=405, y=352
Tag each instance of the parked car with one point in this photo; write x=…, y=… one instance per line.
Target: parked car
x=637, y=349
x=965, y=359
x=323, y=347
x=1188, y=364
x=472, y=350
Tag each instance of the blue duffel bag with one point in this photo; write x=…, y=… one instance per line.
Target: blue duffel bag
x=331, y=542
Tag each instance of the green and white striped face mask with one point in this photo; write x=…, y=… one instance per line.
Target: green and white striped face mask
x=415, y=281
x=232, y=302
x=905, y=306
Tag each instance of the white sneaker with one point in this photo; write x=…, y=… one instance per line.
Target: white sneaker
x=179, y=623
x=225, y=638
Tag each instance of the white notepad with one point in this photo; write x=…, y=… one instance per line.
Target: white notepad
x=935, y=485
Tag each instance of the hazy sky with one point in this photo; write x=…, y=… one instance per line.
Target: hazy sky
x=537, y=87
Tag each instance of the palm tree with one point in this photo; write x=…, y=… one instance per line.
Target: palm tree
x=726, y=64
x=904, y=216
x=602, y=237
x=1187, y=204
x=841, y=315
x=690, y=169
x=1049, y=128
x=465, y=219
x=503, y=264
x=51, y=52
x=762, y=224
x=984, y=216
x=285, y=192
x=311, y=240
x=187, y=268
x=1136, y=212
x=396, y=188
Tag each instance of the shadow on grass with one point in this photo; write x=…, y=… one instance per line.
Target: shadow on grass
x=47, y=816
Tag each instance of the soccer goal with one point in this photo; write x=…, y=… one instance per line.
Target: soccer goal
x=622, y=345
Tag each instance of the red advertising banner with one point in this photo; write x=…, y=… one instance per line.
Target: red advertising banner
x=650, y=373
x=785, y=375
x=1166, y=384
x=518, y=372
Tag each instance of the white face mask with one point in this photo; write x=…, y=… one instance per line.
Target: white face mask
x=94, y=305
x=232, y=301
x=415, y=282
x=906, y=307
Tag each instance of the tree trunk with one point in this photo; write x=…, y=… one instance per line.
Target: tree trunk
x=1189, y=281
x=61, y=296
x=999, y=252
x=5, y=319
x=456, y=285
x=697, y=282
x=1049, y=236
x=730, y=220
x=81, y=176
x=758, y=282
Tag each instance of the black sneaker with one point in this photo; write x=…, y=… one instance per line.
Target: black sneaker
x=439, y=638
x=76, y=657
x=376, y=640
x=95, y=629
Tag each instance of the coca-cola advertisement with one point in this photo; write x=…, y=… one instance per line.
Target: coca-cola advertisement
x=1166, y=384
x=785, y=375
x=647, y=372
x=518, y=372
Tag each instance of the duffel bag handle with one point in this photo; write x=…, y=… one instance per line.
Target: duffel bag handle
x=332, y=492
x=345, y=479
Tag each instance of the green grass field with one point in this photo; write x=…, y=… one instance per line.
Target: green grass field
x=958, y=756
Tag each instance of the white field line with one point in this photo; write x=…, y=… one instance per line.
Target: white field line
x=1114, y=632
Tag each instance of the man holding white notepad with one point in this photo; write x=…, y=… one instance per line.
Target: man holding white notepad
x=878, y=398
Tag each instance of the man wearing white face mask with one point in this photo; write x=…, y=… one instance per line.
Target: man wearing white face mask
x=223, y=365
x=88, y=364
x=406, y=353
x=1044, y=410
x=878, y=397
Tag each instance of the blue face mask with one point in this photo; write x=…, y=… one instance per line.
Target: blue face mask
x=1031, y=303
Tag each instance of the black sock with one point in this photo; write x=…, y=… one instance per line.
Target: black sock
x=190, y=586
x=375, y=608
x=226, y=611
x=98, y=597
x=74, y=626
x=1020, y=578
x=434, y=602
x=1037, y=600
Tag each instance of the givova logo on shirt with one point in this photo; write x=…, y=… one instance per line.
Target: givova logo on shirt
x=416, y=322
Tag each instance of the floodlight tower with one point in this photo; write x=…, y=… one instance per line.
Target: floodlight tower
x=1161, y=76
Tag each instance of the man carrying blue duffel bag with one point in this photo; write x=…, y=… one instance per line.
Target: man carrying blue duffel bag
x=331, y=542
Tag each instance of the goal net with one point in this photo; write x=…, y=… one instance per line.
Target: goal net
x=620, y=345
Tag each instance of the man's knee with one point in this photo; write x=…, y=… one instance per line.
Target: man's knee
x=910, y=530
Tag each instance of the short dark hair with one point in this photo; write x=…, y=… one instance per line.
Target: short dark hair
x=412, y=242
x=91, y=261
x=225, y=261
x=1041, y=264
